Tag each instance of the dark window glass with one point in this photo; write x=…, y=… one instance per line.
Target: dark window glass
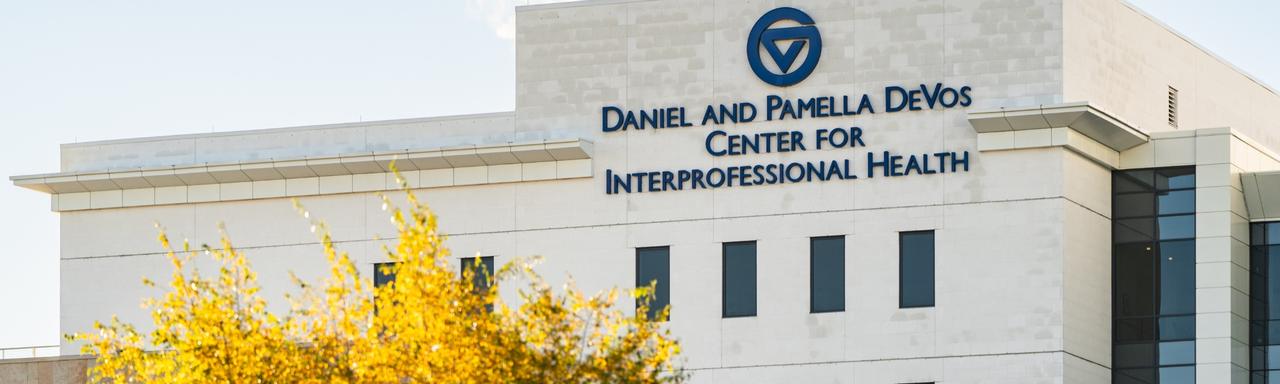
x=826, y=274
x=382, y=275
x=1177, y=327
x=1134, y=295
x=1134, y=376
x=1134, y=205
x=1153, y=275
x=1175, y=178
x=1271, y=294
x=739, y=279
x=653, y=266
x=1134, y=181
x=1138, y=230
x=481, y=273
x=1135, y=355
x=1177, y=277
x=916, y=269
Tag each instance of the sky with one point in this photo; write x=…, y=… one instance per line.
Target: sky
x=74, y=71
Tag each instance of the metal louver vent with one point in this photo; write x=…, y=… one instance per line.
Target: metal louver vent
x=1173, y=107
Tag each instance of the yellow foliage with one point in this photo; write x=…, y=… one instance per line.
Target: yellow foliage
x=430, y=325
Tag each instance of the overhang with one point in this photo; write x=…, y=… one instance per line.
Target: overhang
x=305, y=167
x=1080, y=117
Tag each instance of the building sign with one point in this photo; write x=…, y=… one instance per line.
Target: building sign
x=769, y=38
x=720, y=143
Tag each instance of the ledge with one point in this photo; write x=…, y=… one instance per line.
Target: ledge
x=1262, y=195
x=1080, y=117
x=359, y=172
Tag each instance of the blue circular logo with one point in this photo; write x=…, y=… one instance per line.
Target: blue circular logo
x=797, y=37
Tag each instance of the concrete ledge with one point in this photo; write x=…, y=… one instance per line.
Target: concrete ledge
x=1080, y=117
x=280, y=169
x=362, y=172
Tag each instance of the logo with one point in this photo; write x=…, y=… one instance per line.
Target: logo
x=796, y=37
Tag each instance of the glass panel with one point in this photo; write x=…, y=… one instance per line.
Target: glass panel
x=1178, y=375
x=1273, y=332
x=1258, y=358
x=1177, y=202
x=1273, y=233
x=1134, y=376
x=826, y=274
x=1175, y=178
x=1134, y=280
x=916, y=274
x=1134, y=205
x=480, y=273
x=1178, y=352
x=1133, y=230
x=739, y=279
x=1271, y=266
x=1257, y=233
x=1272, y=357
x=1273, y=376
x=1177, y=277
x=1178, y=327
x=1135, y=355
x=653, y=266
x=1134, y=181
x=1135, y=330
x=1177, y=227
x=381, y=274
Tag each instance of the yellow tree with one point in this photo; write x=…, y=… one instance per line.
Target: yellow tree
x=429, y=325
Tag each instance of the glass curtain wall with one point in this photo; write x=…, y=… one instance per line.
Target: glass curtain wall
x=1153, y=272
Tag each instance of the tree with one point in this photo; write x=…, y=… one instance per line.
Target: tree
x=429, y=325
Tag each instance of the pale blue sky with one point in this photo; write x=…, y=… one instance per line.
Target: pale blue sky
x=101, y=69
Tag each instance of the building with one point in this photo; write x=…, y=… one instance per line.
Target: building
x=853, y=191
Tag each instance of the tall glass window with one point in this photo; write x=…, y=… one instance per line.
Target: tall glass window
x=826, y=274
x=739, y=279
x=653, y=266
x=1153, y=272
x=1264, y=305
x=915, y=269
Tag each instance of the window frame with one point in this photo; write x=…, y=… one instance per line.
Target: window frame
x=933, y=296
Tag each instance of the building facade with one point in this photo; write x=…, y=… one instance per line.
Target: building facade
x=827, y=191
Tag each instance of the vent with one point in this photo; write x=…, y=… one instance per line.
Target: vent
x=1173, y=107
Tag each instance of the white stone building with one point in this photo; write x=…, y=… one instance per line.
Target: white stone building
x=1075, y=119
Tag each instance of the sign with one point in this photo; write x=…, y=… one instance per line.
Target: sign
x=766, y=36
x=770, y=39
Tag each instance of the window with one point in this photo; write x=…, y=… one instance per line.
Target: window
x=826, y=274
x=653, y=266
x=739, y=279
x=1264, y=302
x=480, y=278
x=382, y=276
x=1153, y=271
x=915, y=269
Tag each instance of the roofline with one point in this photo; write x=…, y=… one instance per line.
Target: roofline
x=1200, y=47
x=575, y=4
x=289, y=129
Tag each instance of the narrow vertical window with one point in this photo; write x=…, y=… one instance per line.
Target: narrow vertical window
x=826, y=274
x=1264, y=304
x=482, y=273
x=739, y=279
x=1153, y=275
x=653, y=266
x=382, y=274
x=915, y=269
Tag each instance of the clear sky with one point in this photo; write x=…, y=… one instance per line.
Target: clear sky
x=102, y=69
